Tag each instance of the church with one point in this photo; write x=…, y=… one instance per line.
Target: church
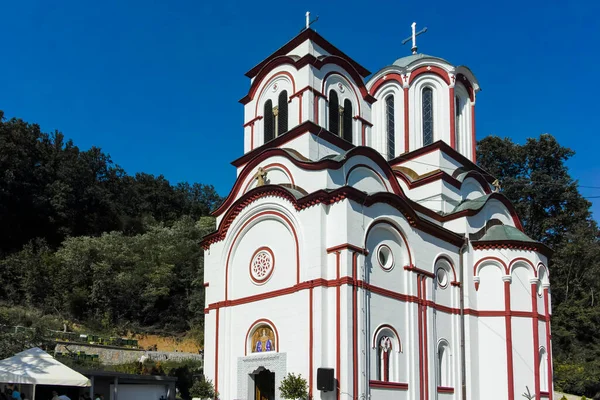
x=363, y=248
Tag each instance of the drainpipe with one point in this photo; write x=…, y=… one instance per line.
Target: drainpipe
x=367, y=334
x=463, y=360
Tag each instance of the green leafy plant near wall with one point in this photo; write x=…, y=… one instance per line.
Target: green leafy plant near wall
x=293, y=387
x=203, y=388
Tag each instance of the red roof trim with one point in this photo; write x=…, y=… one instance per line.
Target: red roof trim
x=308, y=59
x=308, y=165
x=445, y=148
x=512, y=244
x=324, y=197
x=444, y=176
x=307, y=34
x=460, y=78
x=299, y=130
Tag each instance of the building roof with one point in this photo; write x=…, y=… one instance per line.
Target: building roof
x=406, y=61
x=308, y=34
x=505, y=232
x=474, y=204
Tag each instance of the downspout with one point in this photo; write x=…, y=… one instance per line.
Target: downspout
x=367, y=335
x=463, y=360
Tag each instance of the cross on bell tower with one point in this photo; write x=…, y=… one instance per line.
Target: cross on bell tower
x=414, y=37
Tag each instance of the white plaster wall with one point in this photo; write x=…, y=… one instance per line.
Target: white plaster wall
x=390, y=394
x=491, y=378
x=520, y=288
x=523, y=357
x=385, y=310
x=276, y=236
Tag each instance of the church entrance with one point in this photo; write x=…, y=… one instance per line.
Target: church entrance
x=264, y=384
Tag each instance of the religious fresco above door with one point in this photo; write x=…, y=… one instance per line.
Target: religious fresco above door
x=263, y=339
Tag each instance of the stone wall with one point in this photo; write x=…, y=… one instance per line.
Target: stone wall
x=118, y=355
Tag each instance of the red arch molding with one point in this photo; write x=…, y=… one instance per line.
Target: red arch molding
x=310, y=165
x=369, y=168
x=526, y=261
x=271, y=166
x=381, y=81
x=463, y=80
x=254, y=325
x=398, y=231
x=290, y=225
x=308, y=59
x=331, y=73
x=384, y=326
x=267, y=84
x=429, y=69
x=449, y=261
x=324, y=197
x=496, y=259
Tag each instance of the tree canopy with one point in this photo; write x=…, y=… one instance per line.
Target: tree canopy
x=552, y=210
x=85, y=240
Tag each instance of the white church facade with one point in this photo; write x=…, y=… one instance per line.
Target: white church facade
x=361, y=237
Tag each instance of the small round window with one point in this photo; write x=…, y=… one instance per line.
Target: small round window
x=385, y=257
x=442, y=277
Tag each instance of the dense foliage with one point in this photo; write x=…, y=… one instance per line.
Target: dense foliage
x=293, y=387
x=535, y=178
x=84, y=240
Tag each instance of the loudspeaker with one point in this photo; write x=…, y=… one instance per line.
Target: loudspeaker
x=325, y=379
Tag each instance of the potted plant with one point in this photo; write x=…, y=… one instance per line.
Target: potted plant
x=293, y=387
x=203, y=389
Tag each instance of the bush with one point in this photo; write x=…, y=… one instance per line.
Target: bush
x=293, y=387
x=204, y=389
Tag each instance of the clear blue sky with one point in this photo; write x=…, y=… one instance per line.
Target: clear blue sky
x=155, y=83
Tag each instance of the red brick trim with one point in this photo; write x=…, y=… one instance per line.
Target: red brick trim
x=388, y=385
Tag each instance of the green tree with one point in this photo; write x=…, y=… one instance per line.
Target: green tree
x=537, y=181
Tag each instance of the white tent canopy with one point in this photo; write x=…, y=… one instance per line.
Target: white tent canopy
x=36, y=367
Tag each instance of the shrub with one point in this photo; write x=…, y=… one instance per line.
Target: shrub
x=293, y=387
x=204, y=389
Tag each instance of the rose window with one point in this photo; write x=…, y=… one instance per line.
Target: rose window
x=262, y=265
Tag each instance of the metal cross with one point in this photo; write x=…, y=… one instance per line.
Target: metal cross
x=308, y=21
x=414, y=37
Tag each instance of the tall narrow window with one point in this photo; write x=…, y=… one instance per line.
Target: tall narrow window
x=543, y=368
x=444, y=365
x=334, y=113
x=390, y=127
x=384, y=350
x=347, y=121
x=427, y=100
x=269, y=126
x=457, y=122
x=282, y=113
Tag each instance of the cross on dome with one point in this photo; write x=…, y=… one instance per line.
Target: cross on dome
x=413, y=37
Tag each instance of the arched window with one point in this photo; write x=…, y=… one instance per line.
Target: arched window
x=384, y=350
x=390, y=127
x=444, y=373
x=334, y=113
x=543, y=368
x=268, y=121
x=427, y=115
x=346, y=131
x=262, y=339
x=457, y=122
x=282, y=113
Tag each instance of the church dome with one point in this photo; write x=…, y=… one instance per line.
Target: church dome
x=404, y=62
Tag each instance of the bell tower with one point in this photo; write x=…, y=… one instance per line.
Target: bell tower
x=310, y=93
